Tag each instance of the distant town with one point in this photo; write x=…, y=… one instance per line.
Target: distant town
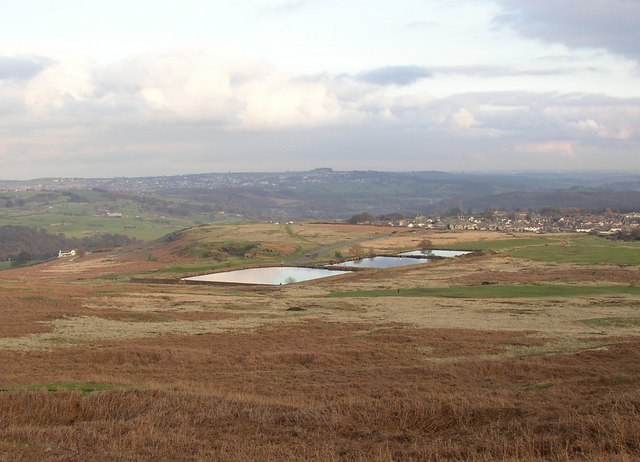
x=542, y=202
x=545, y=221
x=192, y=181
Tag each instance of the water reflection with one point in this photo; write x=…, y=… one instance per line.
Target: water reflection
x=436, y=253
x=269, y=276
x=383, y=262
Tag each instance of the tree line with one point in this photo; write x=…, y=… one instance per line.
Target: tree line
x=22, y=244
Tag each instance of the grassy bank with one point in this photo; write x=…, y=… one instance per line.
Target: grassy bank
x=563, y=248
x=498, y=291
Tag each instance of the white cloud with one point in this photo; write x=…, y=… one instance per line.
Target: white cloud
x=277, y=101
x=616, y=120
x=185, y=85
x=587, y=125
x=190, y=106
x=464, y=118
x=179, y=84
x=66, y=81
x=560, y=148
x=591, y=126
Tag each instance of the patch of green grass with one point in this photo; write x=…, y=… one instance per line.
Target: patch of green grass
x=538, y=386
x=497, y=291
x=22, y=264
x=201, y=267
x=85, y=388
x=564, y=248
x=613, y=321
x=5, y=265
x=502, y=244
x=586, y=253
x=58, y=213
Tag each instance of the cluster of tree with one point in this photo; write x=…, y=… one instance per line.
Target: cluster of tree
x=250, y=202
x=74, y=197
x=148, y=203
x=157, y=205
x=361, y=218
x=633, y=235
x=22, y=244
x=152, y=204
x=10, y=203
x=367, y=218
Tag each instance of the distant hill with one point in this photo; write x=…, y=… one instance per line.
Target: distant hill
x=326, y=194
x=589, y=199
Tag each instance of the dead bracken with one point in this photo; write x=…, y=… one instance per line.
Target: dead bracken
x=98, y=368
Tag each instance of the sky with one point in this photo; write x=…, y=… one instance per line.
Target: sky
x=141, y=88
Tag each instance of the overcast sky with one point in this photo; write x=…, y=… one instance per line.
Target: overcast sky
x=152, y=87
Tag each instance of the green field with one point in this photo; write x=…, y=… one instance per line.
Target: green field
x=498, y=291
x=85, y=388
x=505, y=244
x=201, y=267
x=584, y=251
x=564, y=248
x=83, y=212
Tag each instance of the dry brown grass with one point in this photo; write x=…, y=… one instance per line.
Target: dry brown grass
x=25, y=308
x=323, y=392
x=226, y=373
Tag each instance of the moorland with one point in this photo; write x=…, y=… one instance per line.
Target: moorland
x=525, y=349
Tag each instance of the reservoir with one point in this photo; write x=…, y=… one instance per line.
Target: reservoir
x=281, y=275
x=276, y=275
x=435, y=253
x=382, y=262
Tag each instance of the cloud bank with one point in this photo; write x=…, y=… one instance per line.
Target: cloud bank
x=611, y=24
x=194, y=109
x=395, y=75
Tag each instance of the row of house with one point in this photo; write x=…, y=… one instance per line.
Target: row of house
x=605, y=223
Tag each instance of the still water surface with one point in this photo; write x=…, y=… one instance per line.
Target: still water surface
x=435, y=253
x=276, y=275
x=383, y=262
x=280, y=275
